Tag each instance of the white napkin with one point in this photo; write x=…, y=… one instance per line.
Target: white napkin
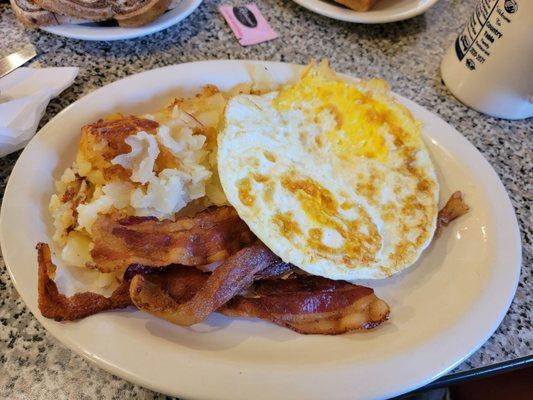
x=24, y=95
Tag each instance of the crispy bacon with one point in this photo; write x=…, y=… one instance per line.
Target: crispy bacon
x=306, y=304
x=62, y=308
x=236, y=274
x=182, y=283
x=211, y=235
x=185, y=296
x=454, y=208
x=312, y=305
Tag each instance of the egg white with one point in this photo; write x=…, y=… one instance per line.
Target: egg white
x=374, y=217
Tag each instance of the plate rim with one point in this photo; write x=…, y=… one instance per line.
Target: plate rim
x=52, y=326
x=69, y=30
x=358, y=17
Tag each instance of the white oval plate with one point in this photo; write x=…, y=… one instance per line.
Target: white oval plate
x=443, y=308
x=384, y=11
x=95, y=31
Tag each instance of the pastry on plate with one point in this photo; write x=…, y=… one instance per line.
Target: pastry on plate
x=35, y=13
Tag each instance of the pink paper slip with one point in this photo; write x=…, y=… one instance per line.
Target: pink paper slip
x=248, y=24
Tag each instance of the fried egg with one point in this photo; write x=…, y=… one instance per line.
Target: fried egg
x=331, y=175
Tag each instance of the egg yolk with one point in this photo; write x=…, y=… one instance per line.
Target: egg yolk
x=360, y=120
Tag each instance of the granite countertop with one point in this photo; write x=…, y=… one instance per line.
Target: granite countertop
x=36, y=366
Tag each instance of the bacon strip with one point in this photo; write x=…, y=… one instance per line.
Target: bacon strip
x=183, y=295
x=62, y=308
x=312, y=305
x=236, y=274
x=209, y=236
x=182, y=283
x=454, y=208
x=305, y=304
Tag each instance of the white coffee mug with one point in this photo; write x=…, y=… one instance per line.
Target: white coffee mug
x=490, y=66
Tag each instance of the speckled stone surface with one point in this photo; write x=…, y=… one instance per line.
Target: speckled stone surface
x=34, y=365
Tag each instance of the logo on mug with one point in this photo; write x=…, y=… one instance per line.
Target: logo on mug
x=510, y=6
x=470, y=64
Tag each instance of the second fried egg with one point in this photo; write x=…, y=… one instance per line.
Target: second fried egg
x=331, y=175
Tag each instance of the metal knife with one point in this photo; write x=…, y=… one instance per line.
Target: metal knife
x=15, y=60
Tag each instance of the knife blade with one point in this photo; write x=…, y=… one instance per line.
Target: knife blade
x=16, y=59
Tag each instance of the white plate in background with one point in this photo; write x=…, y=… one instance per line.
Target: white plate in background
x=384, y=11
x=96, y=31
x=442, y=309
